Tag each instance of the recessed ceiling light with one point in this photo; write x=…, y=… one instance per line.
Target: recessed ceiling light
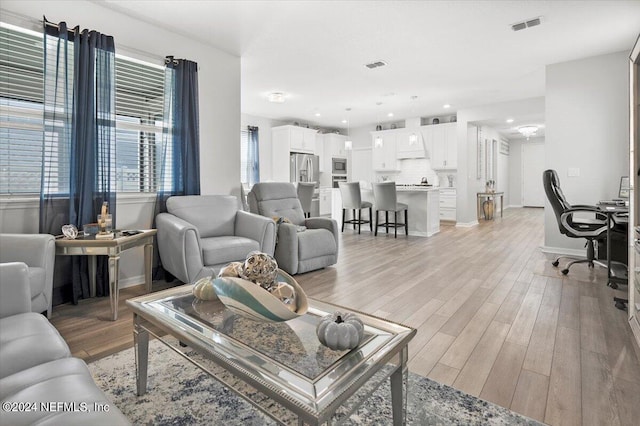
x=509, y=120
x=317, y=114
x=390, y=114
x=344, y=121
x=446, y=106
x=277, y=97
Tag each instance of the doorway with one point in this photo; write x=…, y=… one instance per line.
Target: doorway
x=532, y=168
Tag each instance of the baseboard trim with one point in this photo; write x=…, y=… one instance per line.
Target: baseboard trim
x=467, y=224
x=514, y=206
x=131, y=282
x=564, y=251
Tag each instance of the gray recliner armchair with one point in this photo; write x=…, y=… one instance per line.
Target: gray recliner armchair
x=199, y=234
x=303, y=245
x=38, y=251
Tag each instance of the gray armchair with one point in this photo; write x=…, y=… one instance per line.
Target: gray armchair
x=38, y=251
x=200, y=234
x=304, y=244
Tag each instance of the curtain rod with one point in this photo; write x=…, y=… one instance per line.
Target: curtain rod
x=33, y=24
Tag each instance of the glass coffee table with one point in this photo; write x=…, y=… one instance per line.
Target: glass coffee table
x=284, y=361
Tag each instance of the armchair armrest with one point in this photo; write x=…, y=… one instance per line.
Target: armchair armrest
x=324, y=222
x=600, y=215
x=584, y=207
x=258, y=228
x=37, y=251
x=583, y=229
x=15, y=293
x=179, y=247
x=287, y=247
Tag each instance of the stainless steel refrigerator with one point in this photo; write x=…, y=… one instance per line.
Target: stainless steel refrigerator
x=305, y=168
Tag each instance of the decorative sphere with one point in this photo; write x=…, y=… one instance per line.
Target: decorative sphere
x=70, y=231
x=233, y=269
x=261, y=269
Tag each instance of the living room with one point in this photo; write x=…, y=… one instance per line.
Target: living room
x=583, y=101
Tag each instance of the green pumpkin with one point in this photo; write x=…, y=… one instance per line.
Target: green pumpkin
x=203, y=289
x=340, y=331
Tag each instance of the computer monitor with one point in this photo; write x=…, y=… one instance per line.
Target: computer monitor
x=623, y=192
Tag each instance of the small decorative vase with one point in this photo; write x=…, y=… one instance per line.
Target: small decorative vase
x=487, y=208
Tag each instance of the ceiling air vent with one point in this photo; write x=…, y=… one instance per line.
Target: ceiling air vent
x=375, y=64
x=527, y=24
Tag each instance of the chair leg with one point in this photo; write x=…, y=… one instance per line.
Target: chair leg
x=406, y=222
x=386, y=222
x=353, y=218
x=370, y=219
x=395, y=224
x=343, y=218
x=375, y=233
x=359, y=220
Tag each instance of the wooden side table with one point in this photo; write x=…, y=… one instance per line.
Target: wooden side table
x=90, y=246
x=481, y=196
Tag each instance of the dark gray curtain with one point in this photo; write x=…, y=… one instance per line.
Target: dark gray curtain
x=253, y=160
x=180, y=152
x=79, y=139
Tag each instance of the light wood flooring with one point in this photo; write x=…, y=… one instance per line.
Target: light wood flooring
x=494, y=318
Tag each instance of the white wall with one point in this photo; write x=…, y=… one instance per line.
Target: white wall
x=515, y=173
x=587, y=127
x=219, y=102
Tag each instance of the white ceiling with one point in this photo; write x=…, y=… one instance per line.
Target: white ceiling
x=462, y=53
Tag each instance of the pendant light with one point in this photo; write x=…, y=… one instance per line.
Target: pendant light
x=377, y=141
x=348, y=143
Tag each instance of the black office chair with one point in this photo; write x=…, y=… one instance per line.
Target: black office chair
x=592, y=230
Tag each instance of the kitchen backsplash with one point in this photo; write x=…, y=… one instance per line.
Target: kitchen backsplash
x=412, y=170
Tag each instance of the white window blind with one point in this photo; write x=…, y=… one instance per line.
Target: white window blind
x=139, y=126
x=21, y=97
x=139, y=103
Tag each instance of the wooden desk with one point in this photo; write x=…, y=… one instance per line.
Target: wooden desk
x=90, y=246
x=488, y=195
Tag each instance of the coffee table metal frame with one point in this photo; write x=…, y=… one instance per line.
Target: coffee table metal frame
x=385, y=353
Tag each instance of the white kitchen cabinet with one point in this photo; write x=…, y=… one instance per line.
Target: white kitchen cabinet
x=384, y=151
x=325, y=201
x=441, y=140
x=334, y=145
x=328, y=146
x=287, y=139
x=302, y=139
x=447, y=204
x=433, y=214
x=410, y=144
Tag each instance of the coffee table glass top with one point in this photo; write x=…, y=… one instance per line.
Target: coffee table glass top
x=286, y=356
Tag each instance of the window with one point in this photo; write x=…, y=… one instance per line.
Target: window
x=244, y=157
x=139, y=125
x=21, y=99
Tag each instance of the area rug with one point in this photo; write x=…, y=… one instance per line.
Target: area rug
x=180, y=393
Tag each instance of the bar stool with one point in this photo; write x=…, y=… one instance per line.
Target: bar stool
x=352, y=200
x=386, y=200
x=305, y=195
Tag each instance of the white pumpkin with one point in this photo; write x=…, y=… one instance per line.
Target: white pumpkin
x=203, y=289
x=340, y=331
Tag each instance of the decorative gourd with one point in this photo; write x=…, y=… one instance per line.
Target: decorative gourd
x=203, y=289
x=340, y=331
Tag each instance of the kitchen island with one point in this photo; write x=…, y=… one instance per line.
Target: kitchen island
x=423, y=202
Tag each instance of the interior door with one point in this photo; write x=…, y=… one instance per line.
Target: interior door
x=532, y=168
